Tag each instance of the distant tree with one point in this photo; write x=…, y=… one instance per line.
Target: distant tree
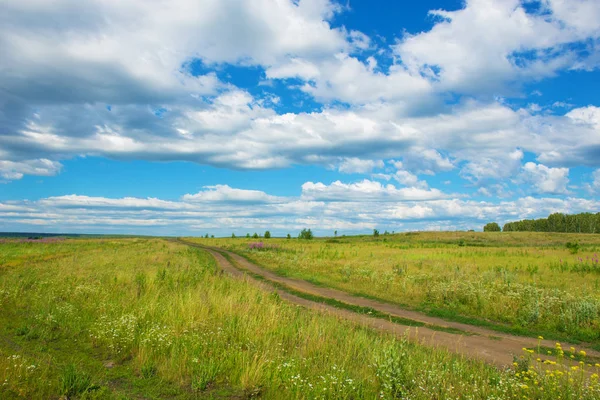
x=386, y=233
x=233, y=235
x=247, y=235
x=289, y=236
x=491, y=227
x=305, y=234
x=255, y=236
x=267, y=235
x=335, y=233
x=375, y=233
x=212, y=236
x=206, y=236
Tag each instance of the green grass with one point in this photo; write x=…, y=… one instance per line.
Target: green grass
x=143, y=318
x=345, y=306
x=518, y=282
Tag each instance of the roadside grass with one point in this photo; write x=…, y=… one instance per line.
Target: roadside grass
x=515, y=282
x=345, y=306
x=143, y=318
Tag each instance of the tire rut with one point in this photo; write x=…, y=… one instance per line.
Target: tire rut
x=483, y=344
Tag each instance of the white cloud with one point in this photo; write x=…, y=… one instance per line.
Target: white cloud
x=544, y=179
x=501, y=167
x=594, y=186
x=490, y=43
x=226, y=194
x=16, y=169
x=61, y=73
x=366, y=190
x=358, y=166
x=354, y=207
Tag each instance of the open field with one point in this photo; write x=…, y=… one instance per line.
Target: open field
x=141, y=318
x=523, y=283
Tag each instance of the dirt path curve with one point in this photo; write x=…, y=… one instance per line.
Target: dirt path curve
x=484, y=344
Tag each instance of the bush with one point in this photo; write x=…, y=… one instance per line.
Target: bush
x=573, y=247
x=491, y=227
x=255, y=236
x=305, y=234
x=375, y=233
x=289, y=236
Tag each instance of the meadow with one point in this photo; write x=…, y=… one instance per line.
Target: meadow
x=517, y=282
x=149, y=318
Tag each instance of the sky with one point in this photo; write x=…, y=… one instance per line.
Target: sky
x=187, y=117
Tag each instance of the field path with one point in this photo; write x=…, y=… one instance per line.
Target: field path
x=479, y=343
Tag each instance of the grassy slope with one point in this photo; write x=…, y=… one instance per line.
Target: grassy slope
x=526, y=283
x=152, y=319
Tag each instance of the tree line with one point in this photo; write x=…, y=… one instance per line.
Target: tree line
x=557, y=222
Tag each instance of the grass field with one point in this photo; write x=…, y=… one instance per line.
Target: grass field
x=524, y=283
x=143, y=318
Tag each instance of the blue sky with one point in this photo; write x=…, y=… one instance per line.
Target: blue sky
x=189, y=117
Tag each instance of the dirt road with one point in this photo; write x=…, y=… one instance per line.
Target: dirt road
x=479, y=343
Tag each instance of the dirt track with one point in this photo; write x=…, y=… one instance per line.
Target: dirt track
x=483, y=344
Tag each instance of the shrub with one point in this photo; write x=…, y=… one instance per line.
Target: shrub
x=573, y=247
x=491, y=227
x=305, y=234
x=375, y=233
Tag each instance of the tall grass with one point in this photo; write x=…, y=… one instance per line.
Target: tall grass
x=154, y=319
x=523, y=282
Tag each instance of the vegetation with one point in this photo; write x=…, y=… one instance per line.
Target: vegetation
x=558, y=222
x=149, y=318
x=267, y=235
x=492, y=227
x=305, y=234
x=522, y=283
x=112, y=319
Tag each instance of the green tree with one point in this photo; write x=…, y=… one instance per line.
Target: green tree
x=206, y=236
x=247, y=236
x=267, y=235
x=233, y=236
x=491, y=227
x=335, y=233
x=305, y=234
x=375, y=233
x=255, y=236
x=289, y=236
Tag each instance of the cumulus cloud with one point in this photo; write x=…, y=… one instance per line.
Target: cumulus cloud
x=16, y=169
x=365, y=205
x=366, y=190
x=490, y=43
x=226, y=194
x=356, y=165
x=148, y=81
x=544, y=179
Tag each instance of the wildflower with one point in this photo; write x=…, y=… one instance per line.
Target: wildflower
x=583, y=353
x=540, y=337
